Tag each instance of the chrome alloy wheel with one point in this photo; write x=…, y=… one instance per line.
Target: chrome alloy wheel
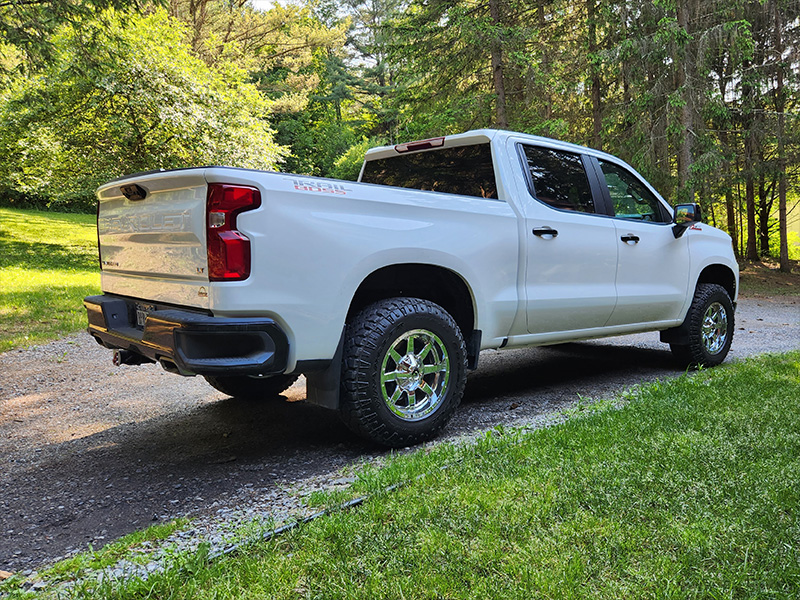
x=414, y=374
x=715, y=328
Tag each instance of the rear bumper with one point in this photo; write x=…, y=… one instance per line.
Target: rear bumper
x=190, y=343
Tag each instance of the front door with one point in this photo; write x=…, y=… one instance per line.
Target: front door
x=653, y=272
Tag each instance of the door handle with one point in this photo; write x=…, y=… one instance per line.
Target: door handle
x=630, y=238
x=543, y=231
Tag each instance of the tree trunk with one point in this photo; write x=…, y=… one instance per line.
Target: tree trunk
x=198, y=10
x=730, y=208
x=750, y=146
x=594, y=70
x=541, y=22
x=730, y=211
x=659, y=148
x=785, y=266
x=762, y=212
x=497, y=66
x=740, y=214
x=684, y=82
x=723, y=75
x=750, y=199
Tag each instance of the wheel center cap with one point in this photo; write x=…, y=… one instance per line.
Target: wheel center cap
x=410, y=367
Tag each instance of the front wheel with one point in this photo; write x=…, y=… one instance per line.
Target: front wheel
x=710, y=323
x=403, y=371
x=252, y=388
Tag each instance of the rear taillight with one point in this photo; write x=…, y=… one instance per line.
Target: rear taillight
x=228, y=249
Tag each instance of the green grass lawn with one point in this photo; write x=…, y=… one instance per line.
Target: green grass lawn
x=690, y=490
x=48, y=263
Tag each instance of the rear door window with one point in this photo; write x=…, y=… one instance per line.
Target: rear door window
x=559, y=179
x=464, y=170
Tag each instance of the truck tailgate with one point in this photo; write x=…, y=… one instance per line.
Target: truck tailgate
x=154, y=247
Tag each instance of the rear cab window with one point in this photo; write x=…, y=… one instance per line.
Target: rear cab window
x=463, y=170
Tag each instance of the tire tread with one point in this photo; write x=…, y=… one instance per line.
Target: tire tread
x=693, y=355
x=364, y=336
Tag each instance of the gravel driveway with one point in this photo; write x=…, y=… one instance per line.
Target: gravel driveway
x=91, y=452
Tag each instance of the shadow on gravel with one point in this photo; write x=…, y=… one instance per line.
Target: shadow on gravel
x=125, y=478
x=532, y=370
x=99, y=487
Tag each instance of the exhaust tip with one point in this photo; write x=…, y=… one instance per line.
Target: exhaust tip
x=169, y=366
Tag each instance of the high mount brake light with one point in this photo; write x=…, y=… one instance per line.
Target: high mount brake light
x=420, y=145
x=228, y=249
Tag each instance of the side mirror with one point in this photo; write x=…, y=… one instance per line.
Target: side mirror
x=685, y=215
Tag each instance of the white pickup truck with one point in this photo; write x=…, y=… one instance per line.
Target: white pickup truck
x=383, y=292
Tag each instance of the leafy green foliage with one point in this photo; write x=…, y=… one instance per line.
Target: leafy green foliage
x=126, y=95
x=686, y=91
x=27, y=25
x=443, y=58
x=348, y=165
x=285, y=37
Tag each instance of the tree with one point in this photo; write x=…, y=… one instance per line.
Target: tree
x=369, y=42
x=278, y=46
x=455, y=58
x=29, y=25
x=125, y=94
x=780, y=104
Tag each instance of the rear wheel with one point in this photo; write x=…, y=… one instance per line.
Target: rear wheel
x=710, y=322
x=403, y=371
x=252, y=388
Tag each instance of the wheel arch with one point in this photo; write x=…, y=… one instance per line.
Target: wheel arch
x=418, y=280
x=721, y=275
x=716, y=273
x=412, y=280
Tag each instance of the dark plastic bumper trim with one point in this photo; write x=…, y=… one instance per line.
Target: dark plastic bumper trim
x=197, y=343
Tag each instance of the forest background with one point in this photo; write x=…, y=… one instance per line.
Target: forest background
x=701, y=96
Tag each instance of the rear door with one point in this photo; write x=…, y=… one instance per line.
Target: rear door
x=571, y=246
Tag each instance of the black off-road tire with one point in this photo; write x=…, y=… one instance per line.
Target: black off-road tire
x=252, y=388
x=434, y=358
x=710, y=323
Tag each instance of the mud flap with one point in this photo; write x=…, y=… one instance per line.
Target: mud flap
x=677, y=335
x=322, y=386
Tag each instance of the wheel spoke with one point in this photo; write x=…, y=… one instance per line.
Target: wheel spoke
x=391, y=376
x=435, y=368
x=427, y=390
x=396, y=396
x=425, y=351
x=410, y=345
x=395, y=355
